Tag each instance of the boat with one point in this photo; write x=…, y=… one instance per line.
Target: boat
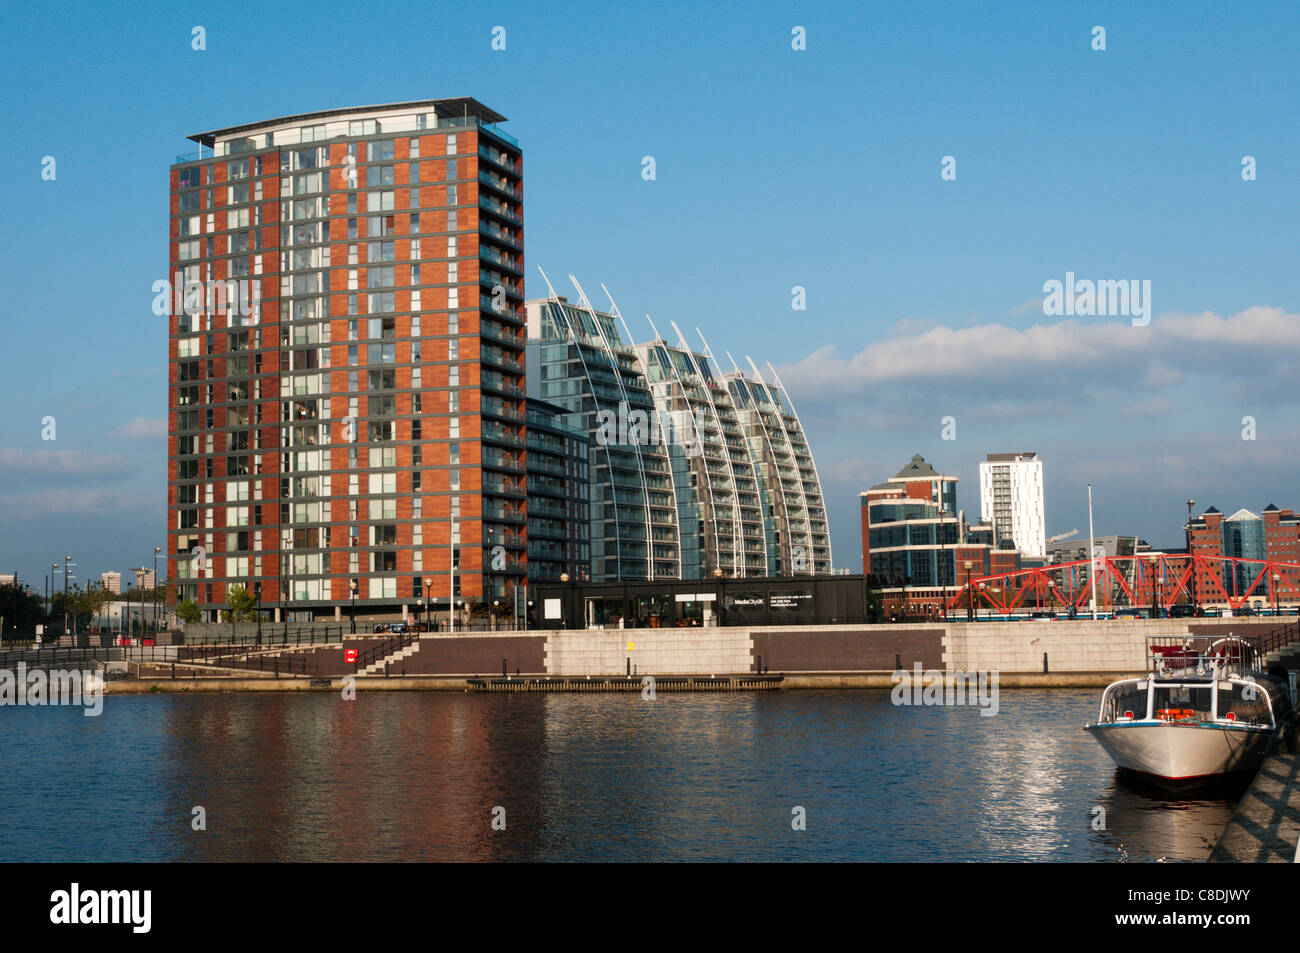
x=1204, y=712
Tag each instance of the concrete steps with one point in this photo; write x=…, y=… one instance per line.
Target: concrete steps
x=377, y=666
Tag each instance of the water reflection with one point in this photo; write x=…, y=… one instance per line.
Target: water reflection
x=415, y=776
x=1144, y=822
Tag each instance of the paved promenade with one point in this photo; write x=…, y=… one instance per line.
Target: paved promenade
x=1266, y=825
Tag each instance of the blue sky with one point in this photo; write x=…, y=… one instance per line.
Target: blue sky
x=775, y=168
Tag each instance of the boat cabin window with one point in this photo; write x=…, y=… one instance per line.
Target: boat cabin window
x=1122, y=698
x=1182, y=699
x=1253, y=711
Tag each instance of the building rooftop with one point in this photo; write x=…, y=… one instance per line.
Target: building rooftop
x=1012, y=457
x=457, y=106
x=917, y=469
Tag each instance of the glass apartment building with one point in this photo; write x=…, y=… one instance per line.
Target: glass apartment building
x=351, y=426
x=559, y=504
x=788, y=484
x=720, y=511
x=578, y=360
x=716, y=468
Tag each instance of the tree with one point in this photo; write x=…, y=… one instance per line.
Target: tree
x=89, y=603
x=188, y=611
x=240, y=605
x=875, y=600
x=21, y=608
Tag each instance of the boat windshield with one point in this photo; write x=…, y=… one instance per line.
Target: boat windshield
x=1125, y=700
x=1183, y=702
x=1247, y=705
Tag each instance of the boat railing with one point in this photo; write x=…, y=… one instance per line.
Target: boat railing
x=1201, y=656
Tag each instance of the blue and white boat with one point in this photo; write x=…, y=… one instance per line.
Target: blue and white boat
x=1204, y=711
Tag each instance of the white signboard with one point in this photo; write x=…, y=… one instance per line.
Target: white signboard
x=550, y=608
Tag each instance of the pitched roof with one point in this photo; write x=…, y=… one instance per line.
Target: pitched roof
x=917, y=469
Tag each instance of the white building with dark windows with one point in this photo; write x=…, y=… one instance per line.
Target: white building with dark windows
x=1012, y=499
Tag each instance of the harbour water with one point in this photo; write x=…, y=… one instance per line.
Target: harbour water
x=421, y=776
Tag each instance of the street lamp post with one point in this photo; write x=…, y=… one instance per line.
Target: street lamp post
x=352, y=607
x=564, y=612
x=1154, y=563
x=67, y=565
x=496, y=605
x=970, y=596
x=1276, y=579
x=257, y=607
x=157, y=550
x=1191, y=560
x=428, y=595
x=49, y=610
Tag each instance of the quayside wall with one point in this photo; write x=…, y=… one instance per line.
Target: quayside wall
x=1110, y=647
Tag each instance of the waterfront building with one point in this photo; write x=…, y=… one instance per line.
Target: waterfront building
x=788, y=484
x=578, y=360
x=919, y=546
x=346, y=413
x=1271, y=535
x=559, y=503
x=714, y=468
x=144, y=577
x=1012, y=499
x=720, y=515
x=112, y=582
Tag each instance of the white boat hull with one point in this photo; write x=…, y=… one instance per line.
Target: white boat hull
x=1183, y=753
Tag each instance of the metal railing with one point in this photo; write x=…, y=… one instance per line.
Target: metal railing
x=222, y=657
x=385, y=648
x=274, y=634
x=1275, y=640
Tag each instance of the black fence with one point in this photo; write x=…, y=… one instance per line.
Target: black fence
x=269, y=635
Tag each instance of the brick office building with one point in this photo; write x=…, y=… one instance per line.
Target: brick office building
x=919, y=546
x=1272, y=535
x=346, y=416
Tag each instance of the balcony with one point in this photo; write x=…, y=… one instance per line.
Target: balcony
x=500, y=185
x=498, y=234
x=501, y=210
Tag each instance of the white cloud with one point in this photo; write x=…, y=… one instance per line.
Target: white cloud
x=995, y=361
x=62, y=465
x=41, y=504
x=1151, y=407
x=144, y=428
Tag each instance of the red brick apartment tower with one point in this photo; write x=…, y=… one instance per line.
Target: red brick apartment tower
x=361, y=419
